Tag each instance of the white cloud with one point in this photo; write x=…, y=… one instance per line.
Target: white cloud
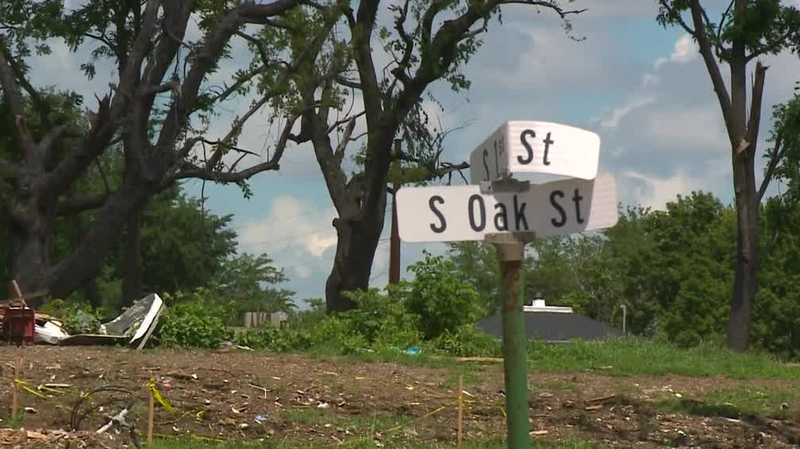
x=613, y=118
x=685, y=128
x=656, y=192
x=685, y=51
x=549, y=59
x=291, y=226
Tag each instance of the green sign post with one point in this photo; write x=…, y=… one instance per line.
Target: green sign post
x=509, y=213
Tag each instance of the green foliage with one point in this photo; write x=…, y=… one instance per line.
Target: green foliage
x=274, y=339
x=441, y=296
x=638, y=356
x=776, y=324
x=467, y=341
x=672, y=269
x=763, y=27
x=249, y=283
x=193, y=320
x=183, y=246
x=478, y=264
x=786, y=145
x=380, y=322
x=76, y=317
x=383, y=318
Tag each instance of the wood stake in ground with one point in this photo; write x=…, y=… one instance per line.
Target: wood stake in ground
x=14, y=394
x=151, y=410
x=460, y=411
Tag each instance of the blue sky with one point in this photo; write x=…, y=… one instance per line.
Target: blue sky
x=642, y=88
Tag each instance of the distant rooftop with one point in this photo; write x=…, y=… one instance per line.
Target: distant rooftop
x=539, y=305
x=553, y=324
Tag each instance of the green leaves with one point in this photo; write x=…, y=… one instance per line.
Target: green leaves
x=441, y=296
x=762, y=27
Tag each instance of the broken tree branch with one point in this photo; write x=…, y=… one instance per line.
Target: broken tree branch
x=775, y=158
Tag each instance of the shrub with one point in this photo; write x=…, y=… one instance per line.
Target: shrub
x=192, y=320
x=381, y=317
x=274, y=339
x=467, y=341
x=77, y=317
x=441, y=296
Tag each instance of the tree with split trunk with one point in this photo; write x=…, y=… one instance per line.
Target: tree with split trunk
x=746, y=30
x=156, y=115
x=362, y=104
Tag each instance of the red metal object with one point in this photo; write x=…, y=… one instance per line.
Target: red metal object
x=18, y=325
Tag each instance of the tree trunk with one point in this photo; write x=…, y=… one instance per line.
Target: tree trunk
x=132, y=264
x=355, y=251
x=745, y=283
x=86, y=261
x=743, y=150
x=30, y=255
x=31, y=232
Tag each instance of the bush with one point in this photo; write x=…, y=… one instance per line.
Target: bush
x=468, y=341
x=191, y=320
x=274, y=339
x=442, y=297
x=382, y=318
x=77, y=317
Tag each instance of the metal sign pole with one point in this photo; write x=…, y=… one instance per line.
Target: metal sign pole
x=515, y=355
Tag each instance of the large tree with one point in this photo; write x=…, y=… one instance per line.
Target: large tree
x=746, y=31
x=157, y=113
x=367, y=104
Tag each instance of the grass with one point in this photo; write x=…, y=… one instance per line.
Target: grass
x=738, y=402
x=320, y=417
x=632, y=356
x=362, y=444
x=620, y=357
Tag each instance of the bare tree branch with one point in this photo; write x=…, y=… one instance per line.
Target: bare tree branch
x=778, y=151
x=549, y=4
x=192, y=171
x=340, y=149
x=713, y=67
x=76, y=205
x=241, y=81
x=251, y=12
x=204, y=59
x=755, y=105
x=106, y=120
x=665, y=4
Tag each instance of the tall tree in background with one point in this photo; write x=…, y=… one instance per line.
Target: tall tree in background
x=747, y=30
x=426, y=41
x=157, y=113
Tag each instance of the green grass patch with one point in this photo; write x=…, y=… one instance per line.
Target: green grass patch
x=618, y=357
x=363, y=444
x=355, y=423
x=754, y=400
x=633, y=356
x=738, y=402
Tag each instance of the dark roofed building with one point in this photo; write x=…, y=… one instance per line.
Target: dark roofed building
x=553, y=324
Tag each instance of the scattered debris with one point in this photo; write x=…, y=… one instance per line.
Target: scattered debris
x=134, y=326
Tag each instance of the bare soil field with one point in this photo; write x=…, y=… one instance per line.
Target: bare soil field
x=70, y=393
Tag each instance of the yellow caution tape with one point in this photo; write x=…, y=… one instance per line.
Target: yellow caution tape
x=25, y=386
x=151, y=385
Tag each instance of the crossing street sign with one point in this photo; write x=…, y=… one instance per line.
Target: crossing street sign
x=519, y=147
x=459, y=213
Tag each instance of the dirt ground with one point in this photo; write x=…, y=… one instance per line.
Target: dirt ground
x=252, y=396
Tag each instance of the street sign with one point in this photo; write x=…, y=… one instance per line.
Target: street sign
x=458, y=213
x=519, y=147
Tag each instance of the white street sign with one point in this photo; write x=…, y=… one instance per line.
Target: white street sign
x=457, y=213
x=536, y=147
